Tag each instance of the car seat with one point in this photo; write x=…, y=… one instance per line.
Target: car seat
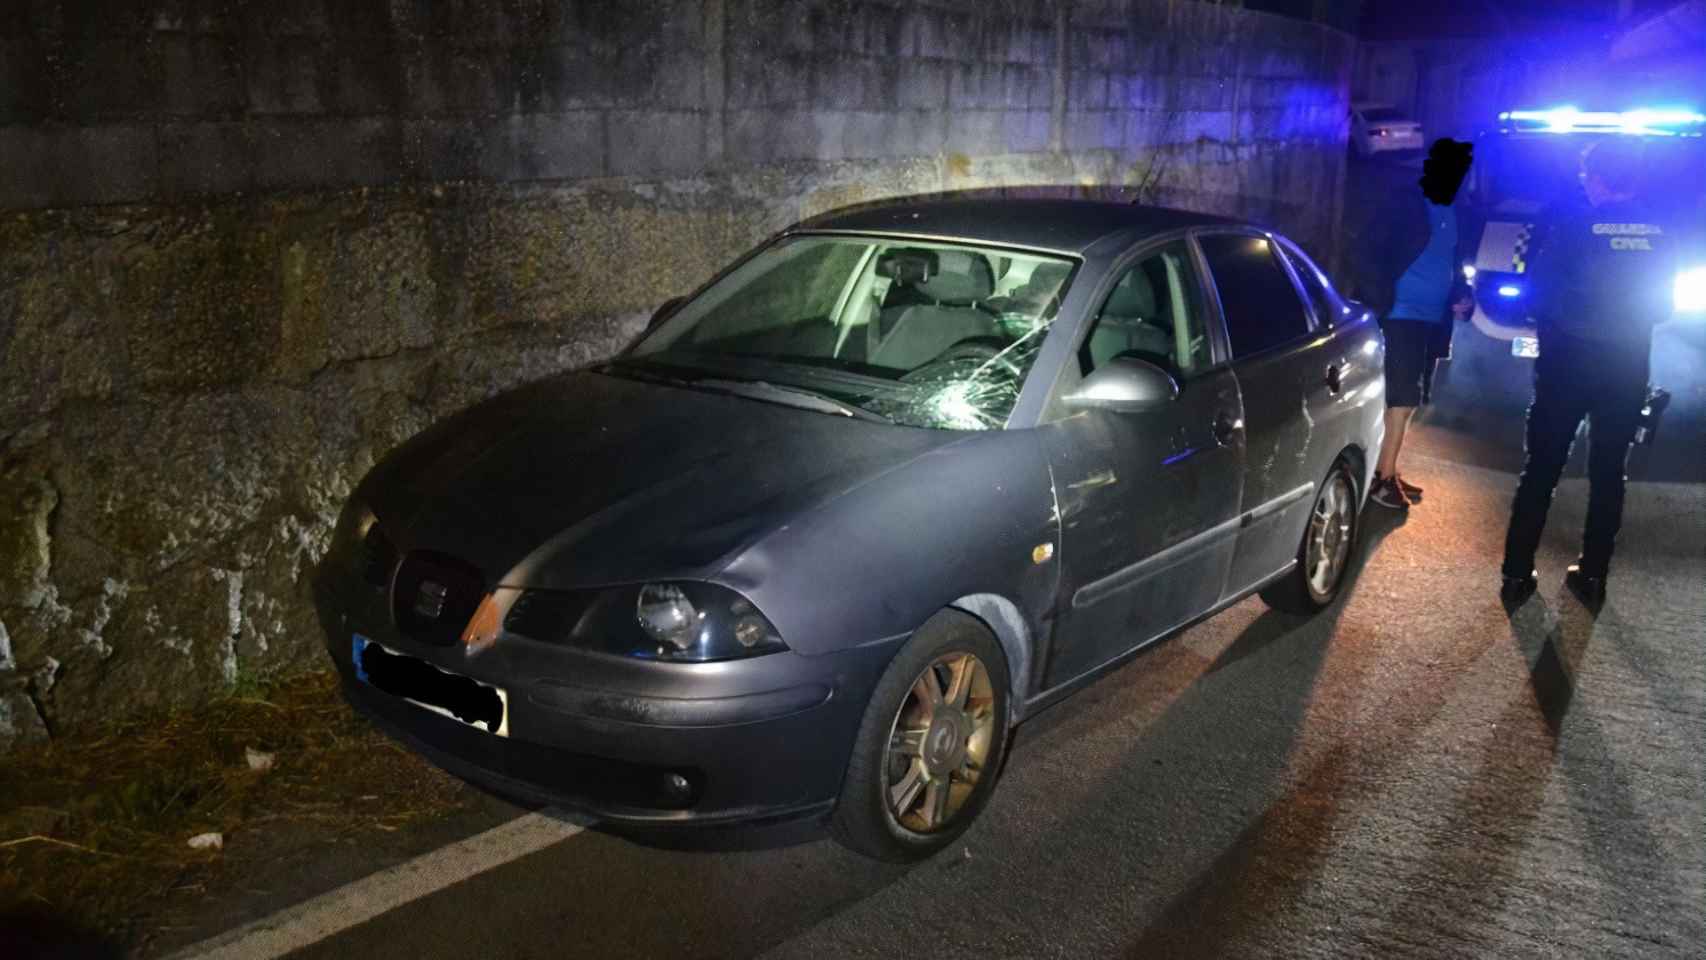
x=909, y=336
x=1131, y=324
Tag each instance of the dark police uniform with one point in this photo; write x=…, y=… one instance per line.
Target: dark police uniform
x=1602, y=279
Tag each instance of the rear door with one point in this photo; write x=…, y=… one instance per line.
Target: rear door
x=1279, y=361
x=1148, y=501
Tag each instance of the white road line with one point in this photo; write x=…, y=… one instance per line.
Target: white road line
x=356, y=903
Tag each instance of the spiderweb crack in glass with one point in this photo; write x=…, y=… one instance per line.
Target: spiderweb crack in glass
x=972, y=393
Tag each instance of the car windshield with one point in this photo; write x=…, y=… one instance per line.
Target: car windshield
x=1381, y=115
x=920, y=333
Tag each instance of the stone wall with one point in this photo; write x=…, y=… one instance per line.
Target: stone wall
x=246, y=248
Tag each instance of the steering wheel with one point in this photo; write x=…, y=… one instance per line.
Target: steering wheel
x=976, y=350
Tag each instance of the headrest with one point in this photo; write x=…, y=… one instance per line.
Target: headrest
x=1044, y=280
x=908, y=265
x=963, y=277
x=1133, y=297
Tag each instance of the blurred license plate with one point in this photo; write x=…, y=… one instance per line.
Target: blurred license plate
x=1526, y=347
x=464, y=699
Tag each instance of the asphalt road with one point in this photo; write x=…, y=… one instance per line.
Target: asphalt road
x=1414, y=772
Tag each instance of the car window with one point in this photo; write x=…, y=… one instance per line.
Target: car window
x=925, y=333
x=1153, y=314
x=1314, y=285
x=806, y=288
x=1257, y=298
x=1381, y=115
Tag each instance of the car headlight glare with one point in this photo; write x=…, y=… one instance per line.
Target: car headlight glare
x=1690, y=295
x=667, y=615
x=683, y=621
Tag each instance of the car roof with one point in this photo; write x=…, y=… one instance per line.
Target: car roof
x=1069, y=226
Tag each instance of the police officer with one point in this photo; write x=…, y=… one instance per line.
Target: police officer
x=1602, y=278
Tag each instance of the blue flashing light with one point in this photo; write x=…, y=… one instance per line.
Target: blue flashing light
x=1646, y=121
x=1510, y=290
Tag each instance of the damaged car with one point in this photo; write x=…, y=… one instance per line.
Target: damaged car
x=838, y=522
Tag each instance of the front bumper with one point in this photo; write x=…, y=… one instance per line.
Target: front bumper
x=755, y=740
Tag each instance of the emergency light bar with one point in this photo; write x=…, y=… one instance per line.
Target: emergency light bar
x=1664, y=122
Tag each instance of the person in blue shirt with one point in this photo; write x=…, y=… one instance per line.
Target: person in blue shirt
x=1410, y=274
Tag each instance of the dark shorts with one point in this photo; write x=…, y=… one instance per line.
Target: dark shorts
x=1413, y=348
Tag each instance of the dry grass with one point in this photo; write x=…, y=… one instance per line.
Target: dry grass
x=94, y=829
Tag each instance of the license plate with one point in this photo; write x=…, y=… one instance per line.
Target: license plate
x=463, y=699
x=1526, y=347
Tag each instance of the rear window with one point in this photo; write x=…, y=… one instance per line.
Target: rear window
x=1257, y=297
x=1314, y=284
x=1381, y=115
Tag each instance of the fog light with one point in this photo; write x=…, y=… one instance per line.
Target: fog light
x=677, y=787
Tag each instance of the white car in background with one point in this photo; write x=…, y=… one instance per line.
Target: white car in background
x=1379, y=128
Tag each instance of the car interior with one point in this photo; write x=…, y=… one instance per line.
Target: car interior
x=886, y=309
x=937, y=299
x=1147, y=316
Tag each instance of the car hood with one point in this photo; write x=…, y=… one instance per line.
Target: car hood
x=585, y=479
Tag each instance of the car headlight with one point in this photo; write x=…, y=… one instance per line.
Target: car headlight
x=1690, y=294
x=684, y=621
x=354, y=522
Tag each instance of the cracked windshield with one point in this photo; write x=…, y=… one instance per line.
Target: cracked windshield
x=911, y=332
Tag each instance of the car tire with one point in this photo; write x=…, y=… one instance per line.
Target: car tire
x=1327, y=548
x=865, y=818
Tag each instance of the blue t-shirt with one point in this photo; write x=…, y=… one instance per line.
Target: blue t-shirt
x=1426, y=285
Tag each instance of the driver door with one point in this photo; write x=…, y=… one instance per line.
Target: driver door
x=1148, y=500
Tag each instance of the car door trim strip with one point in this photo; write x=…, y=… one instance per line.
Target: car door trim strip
x=1096, y=591
x=1277, y=504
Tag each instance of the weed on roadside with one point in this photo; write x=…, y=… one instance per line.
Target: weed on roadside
x=95, y=829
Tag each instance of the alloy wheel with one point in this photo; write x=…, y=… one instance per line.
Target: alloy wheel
x=1330, y=529
x=939, y=743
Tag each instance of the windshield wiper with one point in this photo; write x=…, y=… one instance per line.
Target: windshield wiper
x=792, y=396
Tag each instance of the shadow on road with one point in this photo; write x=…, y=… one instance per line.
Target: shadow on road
x=1249, y=879
x=1376, y=524
x=1540, y=639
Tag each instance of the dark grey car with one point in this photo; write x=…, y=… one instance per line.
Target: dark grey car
x=843, y=518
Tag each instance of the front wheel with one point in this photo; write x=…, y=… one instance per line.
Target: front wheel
x=930, y=744
x=1325, y=554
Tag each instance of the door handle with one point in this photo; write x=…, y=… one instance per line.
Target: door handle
x=1334, y=384
x=1224, y=428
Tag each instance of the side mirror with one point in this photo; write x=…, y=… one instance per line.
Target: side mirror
x=663, y=312
x=1125, y=385
x=1358, y=310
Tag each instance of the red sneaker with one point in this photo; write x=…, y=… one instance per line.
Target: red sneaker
x=1388, y=493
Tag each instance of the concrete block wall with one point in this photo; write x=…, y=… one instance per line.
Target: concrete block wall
x=245, y=248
